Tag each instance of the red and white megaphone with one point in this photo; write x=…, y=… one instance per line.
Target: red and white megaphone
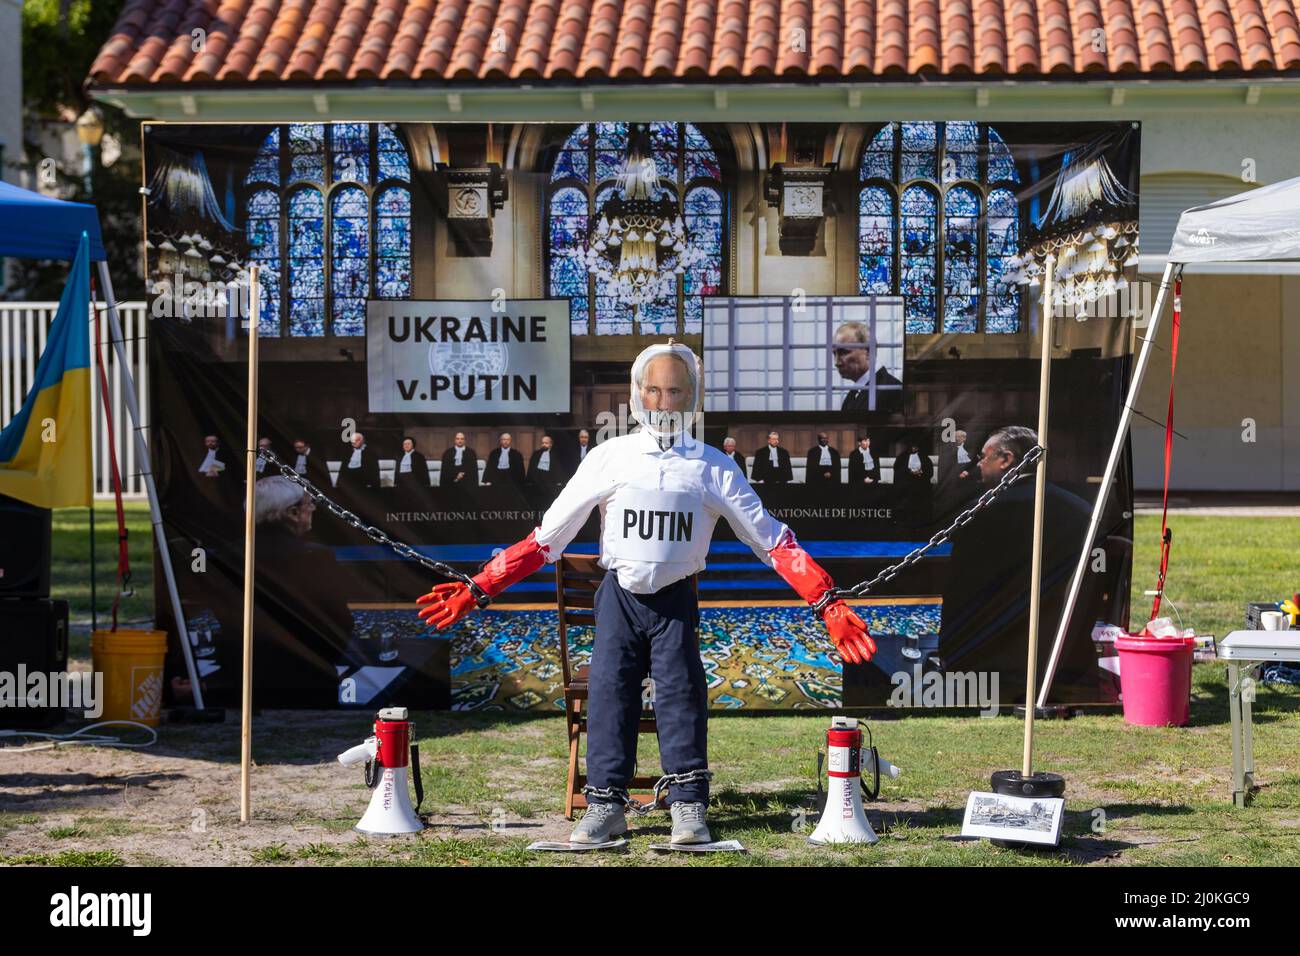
x=387, y=755
x=843, y=820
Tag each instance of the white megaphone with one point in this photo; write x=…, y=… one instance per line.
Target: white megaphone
x=843, y=820
x=387, y=755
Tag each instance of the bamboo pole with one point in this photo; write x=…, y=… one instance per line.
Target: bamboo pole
x=1040, y=492
x=250, y=524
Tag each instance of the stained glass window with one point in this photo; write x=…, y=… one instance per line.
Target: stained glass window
x=339, y=233
x=961, y=151
x=306, y=265
x=876, y=241
x=264, y=248
x=350, y=258
x=920, y=153
x=936, y=231
x=961, y=265
x=266, y=166
x=393, y=244
x=393, y=161
x=568, y=231
x=917, y=260
x=350, y=152
x=582, y=180
x=306, y=153
x=703, y=216
x=1002, y=168
x=1003, y=239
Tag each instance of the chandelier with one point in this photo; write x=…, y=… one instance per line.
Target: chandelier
x=639, y=244
x=1091, y=229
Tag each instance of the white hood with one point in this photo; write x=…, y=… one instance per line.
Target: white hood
x=668, y=425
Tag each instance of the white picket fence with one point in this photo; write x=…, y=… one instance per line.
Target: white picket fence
x=23, y=328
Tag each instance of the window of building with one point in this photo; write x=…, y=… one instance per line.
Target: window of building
x=582, y=178
x=328, y=217
x=937, y=222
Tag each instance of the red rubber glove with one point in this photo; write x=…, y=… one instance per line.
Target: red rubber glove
x=848, y=632
x=809, y=579
x=448, y=603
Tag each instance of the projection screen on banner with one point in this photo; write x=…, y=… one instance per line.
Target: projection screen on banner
x=449, y=317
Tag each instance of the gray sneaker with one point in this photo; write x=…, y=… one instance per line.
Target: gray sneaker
x=600, y=824
x=688, y=823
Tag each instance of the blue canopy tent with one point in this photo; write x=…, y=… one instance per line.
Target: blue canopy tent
x=33, y=226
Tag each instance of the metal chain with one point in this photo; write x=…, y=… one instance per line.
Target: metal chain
x=835, y=594
x=370, y=531
x=662, y=784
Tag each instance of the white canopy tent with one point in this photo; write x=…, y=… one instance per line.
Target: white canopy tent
x=1261, y=225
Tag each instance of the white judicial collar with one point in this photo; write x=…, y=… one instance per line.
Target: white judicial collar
x=210, y=461
x=582, y=451
x=544, y=461
x=868, y=462
x=355, y=460
x=771, y=454
x=460, y=454
x=628, y=478
x=914, y=462
x=826, y=455
x=963, y=456
x=300, y=466
x=503, y=460
x=405, y=466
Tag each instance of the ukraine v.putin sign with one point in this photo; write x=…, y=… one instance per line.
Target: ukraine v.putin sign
x=468, y=356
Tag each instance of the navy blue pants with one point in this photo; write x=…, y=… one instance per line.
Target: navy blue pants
x=636, y=634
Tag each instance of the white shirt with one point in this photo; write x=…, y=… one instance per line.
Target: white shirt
x=355, y=460
x=300, y=466
x=544, y=462
x=460, y=454
x=631, y=480
x=582, y=452
x=405, y=466
x=963, y=456
x=504, y=460
x=826, y=455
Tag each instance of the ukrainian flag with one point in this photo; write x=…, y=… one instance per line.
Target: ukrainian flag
x=45, y=451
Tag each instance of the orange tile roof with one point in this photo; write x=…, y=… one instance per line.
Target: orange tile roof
x=283, y=41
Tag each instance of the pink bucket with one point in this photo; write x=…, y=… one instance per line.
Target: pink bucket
x=1155, y=676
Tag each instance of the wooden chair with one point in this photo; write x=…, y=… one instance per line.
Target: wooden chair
x=577, y=576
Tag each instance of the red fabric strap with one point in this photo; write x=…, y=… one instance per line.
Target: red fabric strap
x=1166, y=536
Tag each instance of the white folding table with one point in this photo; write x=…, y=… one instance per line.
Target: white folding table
x=1245, y=651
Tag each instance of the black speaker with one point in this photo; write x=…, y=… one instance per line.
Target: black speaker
x=33, y=637
x=25, y=538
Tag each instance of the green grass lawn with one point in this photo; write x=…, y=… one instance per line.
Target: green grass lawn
x=1135, y=795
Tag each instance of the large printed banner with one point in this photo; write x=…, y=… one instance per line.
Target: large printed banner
x=447, y=323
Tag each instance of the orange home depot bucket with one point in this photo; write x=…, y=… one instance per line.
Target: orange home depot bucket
x=1155, y=676
x=132, y=665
